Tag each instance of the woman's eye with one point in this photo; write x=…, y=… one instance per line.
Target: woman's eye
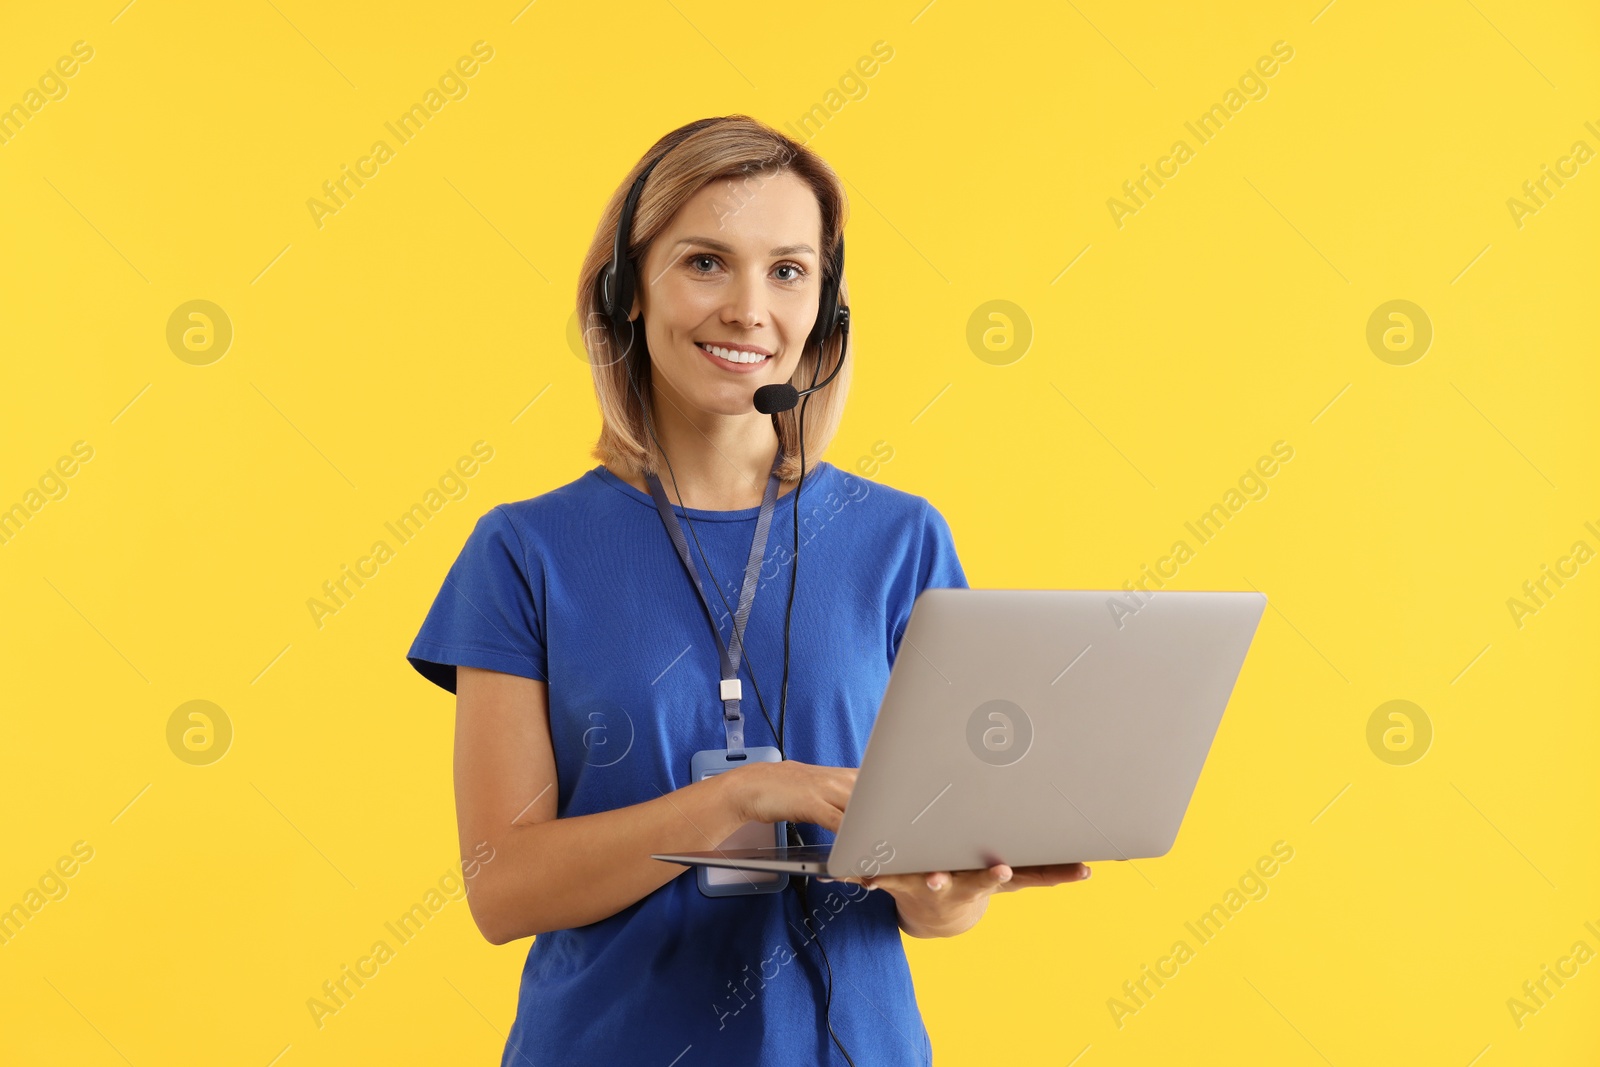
x=798, y=272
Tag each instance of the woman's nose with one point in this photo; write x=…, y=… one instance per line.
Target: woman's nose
x=746, y=304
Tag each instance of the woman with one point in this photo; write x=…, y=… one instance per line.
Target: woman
x=587, y=675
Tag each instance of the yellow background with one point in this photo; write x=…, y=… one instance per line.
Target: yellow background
x=1229, y=313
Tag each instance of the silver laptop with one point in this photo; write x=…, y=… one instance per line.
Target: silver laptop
x=1029, y=727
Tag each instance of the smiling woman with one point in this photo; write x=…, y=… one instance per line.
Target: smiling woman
x=736, y=212
x=713, y=293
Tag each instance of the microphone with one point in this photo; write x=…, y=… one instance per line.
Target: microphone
x=771, y=399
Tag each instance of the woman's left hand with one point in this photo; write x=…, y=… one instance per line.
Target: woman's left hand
x=946, y=903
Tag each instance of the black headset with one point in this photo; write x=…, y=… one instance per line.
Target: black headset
x=615, y=286
x=619, y=280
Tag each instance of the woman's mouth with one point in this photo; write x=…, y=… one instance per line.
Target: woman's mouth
x=733, y=359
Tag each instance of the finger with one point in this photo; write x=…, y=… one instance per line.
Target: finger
x=987, y=881
x=897, y=883
x=970, y=885
x=1050, y=874
x=903, y=883
x=879, y=882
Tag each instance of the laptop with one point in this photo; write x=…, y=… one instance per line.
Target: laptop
x=1030, y=727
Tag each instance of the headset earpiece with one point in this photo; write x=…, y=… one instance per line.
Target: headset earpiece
x=830, y=316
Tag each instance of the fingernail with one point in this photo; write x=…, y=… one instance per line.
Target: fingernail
x=1087, y=871
x=1006, y=877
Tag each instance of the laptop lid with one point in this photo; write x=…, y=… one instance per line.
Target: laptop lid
x=1043, y=726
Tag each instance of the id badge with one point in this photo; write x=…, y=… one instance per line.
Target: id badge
x=724, y=881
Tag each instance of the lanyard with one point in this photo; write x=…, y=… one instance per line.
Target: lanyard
x=729, y=690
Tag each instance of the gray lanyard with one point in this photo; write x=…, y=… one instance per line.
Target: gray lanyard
x=730, y=690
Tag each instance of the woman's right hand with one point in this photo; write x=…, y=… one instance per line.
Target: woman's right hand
x=793, y=791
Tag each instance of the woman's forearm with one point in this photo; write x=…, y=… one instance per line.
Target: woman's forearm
x=568, y=872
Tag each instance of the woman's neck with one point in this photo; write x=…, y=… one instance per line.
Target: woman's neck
x=719, y=462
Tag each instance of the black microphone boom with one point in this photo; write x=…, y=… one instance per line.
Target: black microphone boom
x=771, y=399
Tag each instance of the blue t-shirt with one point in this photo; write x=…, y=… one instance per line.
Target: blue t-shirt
x=581, y=587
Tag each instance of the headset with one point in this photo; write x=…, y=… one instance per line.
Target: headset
x=618, y=282
x=616, y=285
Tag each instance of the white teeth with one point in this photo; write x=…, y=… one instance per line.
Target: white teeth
x=732, y=356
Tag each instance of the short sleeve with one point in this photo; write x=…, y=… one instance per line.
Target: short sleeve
x=487, y=612
x=937, y=567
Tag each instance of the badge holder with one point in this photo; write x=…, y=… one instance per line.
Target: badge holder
x=725, y=881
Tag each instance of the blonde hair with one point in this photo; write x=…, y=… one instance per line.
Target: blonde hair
x=738, y=148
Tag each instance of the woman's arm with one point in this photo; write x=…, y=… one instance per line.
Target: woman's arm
x=552, y=874
x=548, y=873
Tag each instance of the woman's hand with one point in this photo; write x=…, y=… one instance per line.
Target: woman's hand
x=946, y=903
x=792, y=791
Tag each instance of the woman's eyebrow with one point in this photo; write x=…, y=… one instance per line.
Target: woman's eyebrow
x=786, y=250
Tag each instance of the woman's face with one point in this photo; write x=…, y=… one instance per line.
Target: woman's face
x=738, y=267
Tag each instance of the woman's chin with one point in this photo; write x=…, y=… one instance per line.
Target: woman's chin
x=730, y=398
